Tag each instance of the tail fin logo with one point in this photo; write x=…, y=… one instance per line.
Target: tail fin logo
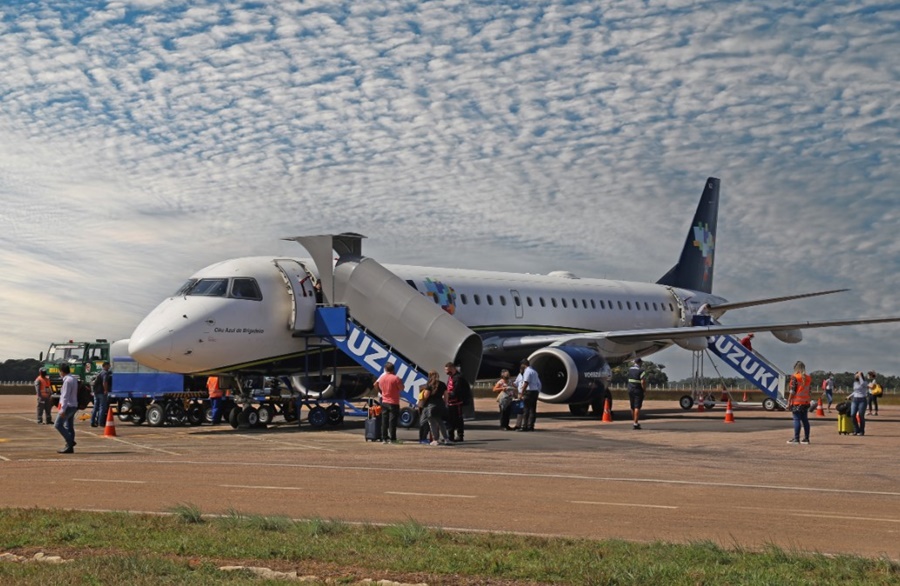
x=706, y=243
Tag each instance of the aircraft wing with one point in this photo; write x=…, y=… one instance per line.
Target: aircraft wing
x=723, y=307
x=681, y=333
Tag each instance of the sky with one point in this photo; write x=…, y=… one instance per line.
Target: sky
x=141, y=141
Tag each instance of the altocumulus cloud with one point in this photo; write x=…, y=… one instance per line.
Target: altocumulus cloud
x=140, y=141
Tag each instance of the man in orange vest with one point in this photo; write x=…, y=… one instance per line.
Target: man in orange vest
x=798, y=401
x=43, y=391
x=215, y=399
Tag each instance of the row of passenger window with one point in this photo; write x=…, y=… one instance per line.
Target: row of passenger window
x=566, y=303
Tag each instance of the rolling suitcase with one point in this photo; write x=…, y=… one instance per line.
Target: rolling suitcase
x=845, y=424
x=373, y=422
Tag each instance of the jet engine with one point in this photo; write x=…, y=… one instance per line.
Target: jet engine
x=570, y=374
x=349, y=385
x=788, y=336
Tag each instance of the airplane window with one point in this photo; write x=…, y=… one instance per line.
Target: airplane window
x=620, y=304
x=564, y=302
x=530, y=304
x=654, y=306
x=502, y=300
x=477, y=299
x=185, y=288
x=516, y=300
x=671, y=308
x=593, y=305
x=553, y=301
x=602, y=304
x=541, y=299
x=646, y=306
x=210, y=288
x=490, y=300
x=584, y=303
x=462, y=297
x=242, y=288
x=628, y=303
x=435, y=299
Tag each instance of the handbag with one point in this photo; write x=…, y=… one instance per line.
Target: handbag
x=877, y=391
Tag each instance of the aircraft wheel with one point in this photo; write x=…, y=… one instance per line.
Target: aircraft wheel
x=266, y=414
x=248, y=417
x=207, y=414
x=408, y=417
x=233, y=416
x=335, y=415
x=769, y=404
x=581, y=409
x=686, y=402
x=125, y=408
x=175, y=413
x=317, y=417
x=195, y=415
x=156, y=416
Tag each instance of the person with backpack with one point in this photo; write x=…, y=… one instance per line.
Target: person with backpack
x=828, y=388
x=100, y=389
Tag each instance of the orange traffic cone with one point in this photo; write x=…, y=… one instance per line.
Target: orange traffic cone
x=745, y=397
x=729, y=414
x=607, y=414
x=819, y=411
x=700, y=406
x=110, y=429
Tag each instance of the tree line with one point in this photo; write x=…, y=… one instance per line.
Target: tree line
x=19, y=369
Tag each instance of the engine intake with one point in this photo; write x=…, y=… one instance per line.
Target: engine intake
x=570, y=374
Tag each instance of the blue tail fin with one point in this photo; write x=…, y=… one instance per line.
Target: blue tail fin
x=694, y=270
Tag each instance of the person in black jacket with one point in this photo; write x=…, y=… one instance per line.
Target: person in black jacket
x=459, y=394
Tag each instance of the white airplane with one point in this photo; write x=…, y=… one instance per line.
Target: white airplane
x=243, y=315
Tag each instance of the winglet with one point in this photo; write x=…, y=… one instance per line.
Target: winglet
x=694, y=270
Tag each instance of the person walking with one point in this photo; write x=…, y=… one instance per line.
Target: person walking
x=637, y=386
x=858, y=401
x=43, y=391
x=68, y=406
x=100, y=389
x=215, y=394
x=875, y=391
x=828, y=387
x=531, y=390
x=506, y=396
x=390, y=387
x=798, y=400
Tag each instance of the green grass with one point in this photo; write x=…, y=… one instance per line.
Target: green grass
x=187, y=548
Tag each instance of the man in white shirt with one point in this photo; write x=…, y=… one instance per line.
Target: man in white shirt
x=530, y=389
x=68, y=406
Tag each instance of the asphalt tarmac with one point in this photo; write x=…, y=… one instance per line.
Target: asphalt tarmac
x=684, y=477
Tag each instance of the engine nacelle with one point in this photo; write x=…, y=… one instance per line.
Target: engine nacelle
x=789, y=336
x=570, y=374
x=349, y=386
x=693, y=344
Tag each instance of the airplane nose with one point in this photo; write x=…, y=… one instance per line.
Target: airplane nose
x=153, y=349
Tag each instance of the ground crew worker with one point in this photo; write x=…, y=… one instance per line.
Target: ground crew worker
x=215, y=399
x=637, y=386
x=43, y=391
x=799, y=402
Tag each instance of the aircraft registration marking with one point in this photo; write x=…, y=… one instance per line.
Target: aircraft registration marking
x=623, y=505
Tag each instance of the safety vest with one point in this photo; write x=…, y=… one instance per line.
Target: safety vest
x=801, y=384
x=44, y=383
x=212, y=385
x=635, y=377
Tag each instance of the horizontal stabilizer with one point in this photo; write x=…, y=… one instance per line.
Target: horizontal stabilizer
x=723, y=307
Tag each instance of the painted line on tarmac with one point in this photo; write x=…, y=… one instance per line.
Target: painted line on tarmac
x=845, y=517
x=292, y=445
x=623, y=505
x=449, y=496
x=106, y=480
x=451, y=472
x=5, y=459
x=136, y=445
x=262, y=487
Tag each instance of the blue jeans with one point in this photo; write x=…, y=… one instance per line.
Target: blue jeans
x=858, y=410
x=98, y=413
x=801, y=418
x=65, y=424
x=215, y=410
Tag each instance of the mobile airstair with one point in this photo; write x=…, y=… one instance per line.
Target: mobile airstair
x=374, y=317
x=751, y=365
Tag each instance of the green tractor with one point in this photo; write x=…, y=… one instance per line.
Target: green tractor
x=85, y=359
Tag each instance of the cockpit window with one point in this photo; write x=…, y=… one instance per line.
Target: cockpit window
x=245, y=288
x=209, y=288
x=185, y=288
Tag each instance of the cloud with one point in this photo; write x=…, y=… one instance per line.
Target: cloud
x=151, y=138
